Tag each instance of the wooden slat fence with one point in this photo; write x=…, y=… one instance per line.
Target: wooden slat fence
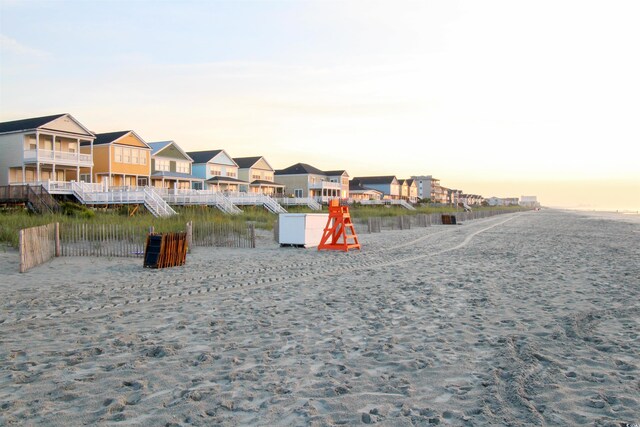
x=111, y=240
x=121, y=240
x=231, y=235
x=37, y=245
x=406, y=222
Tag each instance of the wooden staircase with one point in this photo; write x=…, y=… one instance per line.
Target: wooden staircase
x=35, y=197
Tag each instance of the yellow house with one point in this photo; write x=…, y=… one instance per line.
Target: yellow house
x=120, y=159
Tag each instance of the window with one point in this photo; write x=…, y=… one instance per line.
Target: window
x=162, y=165
x=255, y=176
x=29, y=143
x=231, y=174
x=215, y=171
x=85, y=177
x=135, y=154
x=126, y=155
x=73, y=146
x=142, y=182
x=143, y=157
x=298, y=192
x=117, y=157
x=182, y=167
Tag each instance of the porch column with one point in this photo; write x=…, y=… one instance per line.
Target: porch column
x=53, y=166
x=37, y=156
x=91, y=177
x=24, y=176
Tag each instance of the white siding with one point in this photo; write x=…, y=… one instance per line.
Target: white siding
x=12, y=151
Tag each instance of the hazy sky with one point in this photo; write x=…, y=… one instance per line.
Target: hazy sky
x=500, y=98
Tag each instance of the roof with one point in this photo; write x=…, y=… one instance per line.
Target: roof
x=157, y=146
x=267, y=183
x=300, y=169
x=109, y=137
x=356, y=186
x=160, y=174
x=38, y=123
x=375, y=179
x=225, y=180
x=27, y=124
x=334, y=173
x=246, y=162
x=203, y=156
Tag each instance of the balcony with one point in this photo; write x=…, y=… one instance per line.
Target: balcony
x=325, y=185
x=58, y=157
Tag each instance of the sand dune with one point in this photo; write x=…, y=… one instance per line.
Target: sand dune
x=519, y=319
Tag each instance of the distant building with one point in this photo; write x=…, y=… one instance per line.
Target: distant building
x=529, y=201
x=303, y=180
x=387, y=185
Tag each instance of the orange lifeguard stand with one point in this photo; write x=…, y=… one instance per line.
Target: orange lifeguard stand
x=339, y=233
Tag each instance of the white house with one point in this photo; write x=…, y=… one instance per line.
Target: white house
x=44, y=148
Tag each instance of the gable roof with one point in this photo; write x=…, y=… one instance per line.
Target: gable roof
x=356, y=186
x=111, y=137
x=299, y=169
x=375, y=179
x=158, y=146
x=335, y=173
x=35, y=123
x=27, y=124
x=203, y=156
x=246, y=162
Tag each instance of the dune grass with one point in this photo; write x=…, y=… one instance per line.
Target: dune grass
x=13, y=220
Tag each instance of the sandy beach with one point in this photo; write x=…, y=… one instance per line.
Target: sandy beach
x=520, y=319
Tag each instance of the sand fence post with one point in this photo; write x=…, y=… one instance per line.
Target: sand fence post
x=252, y=234
x=58, y=245
x=22, y=252
x=189, y=235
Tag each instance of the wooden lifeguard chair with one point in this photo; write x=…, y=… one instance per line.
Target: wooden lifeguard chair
x=339, y=233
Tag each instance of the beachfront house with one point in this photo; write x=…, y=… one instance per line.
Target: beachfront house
x=404, y=189
x=358, y=192
x=303, y=180
x=430, y=188
x=341, y=177
x=259, y=175
x=413, y=190
x=44, y=148
x=217, y=169
x=502, y=201
x=121, y=159
x=171, y=167
x=387, y=185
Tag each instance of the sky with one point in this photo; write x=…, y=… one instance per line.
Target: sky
x=498, y=98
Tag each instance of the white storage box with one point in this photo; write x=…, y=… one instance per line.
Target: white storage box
x=301, y=229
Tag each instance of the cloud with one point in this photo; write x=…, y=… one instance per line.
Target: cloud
x=9, y=45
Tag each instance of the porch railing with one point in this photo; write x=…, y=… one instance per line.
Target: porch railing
x=58, y=156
